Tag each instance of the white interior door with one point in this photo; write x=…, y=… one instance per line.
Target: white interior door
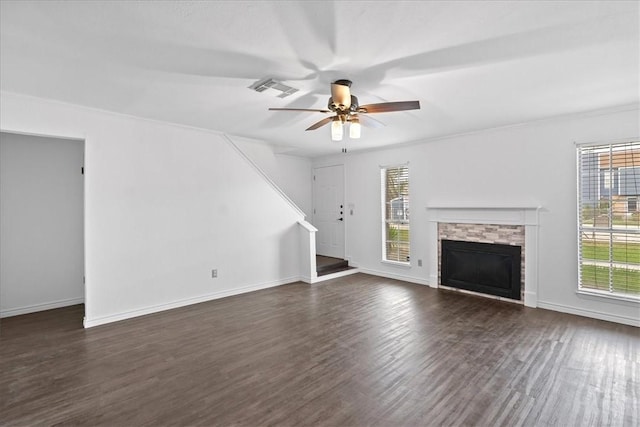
x=328, y=210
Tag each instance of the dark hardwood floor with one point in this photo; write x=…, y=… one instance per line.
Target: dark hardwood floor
x=359, y=350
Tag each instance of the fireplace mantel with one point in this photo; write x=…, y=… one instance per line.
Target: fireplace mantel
x=478, y=214
x=526, y=215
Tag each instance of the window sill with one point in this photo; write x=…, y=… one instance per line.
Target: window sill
x=397, y=263
x=608, y=295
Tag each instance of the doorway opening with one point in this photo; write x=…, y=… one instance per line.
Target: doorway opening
x=42, y=253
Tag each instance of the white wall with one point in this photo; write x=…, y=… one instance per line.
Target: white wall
x=291, y=173
x=164, y=205
x=532, y=164
x=41, y=223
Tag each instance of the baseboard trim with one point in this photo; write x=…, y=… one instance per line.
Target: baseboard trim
x=433, y=281
x=395, y=276
x=40, y=307
x=103, y=320
x=306, y=279
x=589, y=313
x=89, y=323
x=335, y=275
x=530, y=299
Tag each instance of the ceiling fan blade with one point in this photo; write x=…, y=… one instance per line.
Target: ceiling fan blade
x=300, y=109
x=341, y=96
x=370, y=122
x=320, y=123
x=386, y=107
x=545, y=40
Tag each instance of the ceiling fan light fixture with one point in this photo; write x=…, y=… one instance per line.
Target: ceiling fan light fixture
x=347, y=108
x=336, y=129
x=354, y=128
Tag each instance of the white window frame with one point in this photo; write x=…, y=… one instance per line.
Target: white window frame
x=384, y=222
x=609, y=230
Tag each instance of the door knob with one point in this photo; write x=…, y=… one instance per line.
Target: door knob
x=340, y=219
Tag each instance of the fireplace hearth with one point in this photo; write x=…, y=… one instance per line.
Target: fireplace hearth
x=488, y=268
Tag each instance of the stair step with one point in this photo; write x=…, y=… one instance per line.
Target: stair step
x=333, y=267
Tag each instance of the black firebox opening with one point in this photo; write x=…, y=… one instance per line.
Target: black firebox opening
x=489, y=268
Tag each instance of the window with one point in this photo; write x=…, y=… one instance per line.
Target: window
x=395, y=214
x=606, y=177
x=609, y=221
x=629, y=181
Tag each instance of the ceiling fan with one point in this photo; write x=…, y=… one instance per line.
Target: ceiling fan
x=347, y=110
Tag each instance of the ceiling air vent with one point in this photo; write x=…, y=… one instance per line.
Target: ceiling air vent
x=264, y=84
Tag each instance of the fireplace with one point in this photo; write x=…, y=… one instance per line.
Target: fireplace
x=488, y=223
x=488, y=268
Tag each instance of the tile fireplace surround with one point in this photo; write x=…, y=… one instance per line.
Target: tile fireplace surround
x=525, y=216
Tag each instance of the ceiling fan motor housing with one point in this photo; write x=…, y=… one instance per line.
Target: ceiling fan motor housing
x=341, y=108
x=340, y=100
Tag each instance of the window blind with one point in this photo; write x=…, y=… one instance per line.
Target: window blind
x=609, y=219
x=395, y=213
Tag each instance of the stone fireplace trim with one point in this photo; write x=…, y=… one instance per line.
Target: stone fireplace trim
x=528, y=216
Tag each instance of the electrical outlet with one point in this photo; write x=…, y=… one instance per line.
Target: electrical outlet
x=214, y=273
x=419, y=263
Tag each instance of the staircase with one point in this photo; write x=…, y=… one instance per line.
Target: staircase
x=327, y=265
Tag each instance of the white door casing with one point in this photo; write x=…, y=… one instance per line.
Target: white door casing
x=329, y=210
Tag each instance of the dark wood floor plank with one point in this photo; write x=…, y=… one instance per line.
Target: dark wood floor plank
x=359, y=350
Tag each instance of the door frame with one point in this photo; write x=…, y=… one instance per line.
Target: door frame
x=344, y=203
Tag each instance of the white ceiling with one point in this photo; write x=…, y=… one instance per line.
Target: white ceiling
x=472, y=65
